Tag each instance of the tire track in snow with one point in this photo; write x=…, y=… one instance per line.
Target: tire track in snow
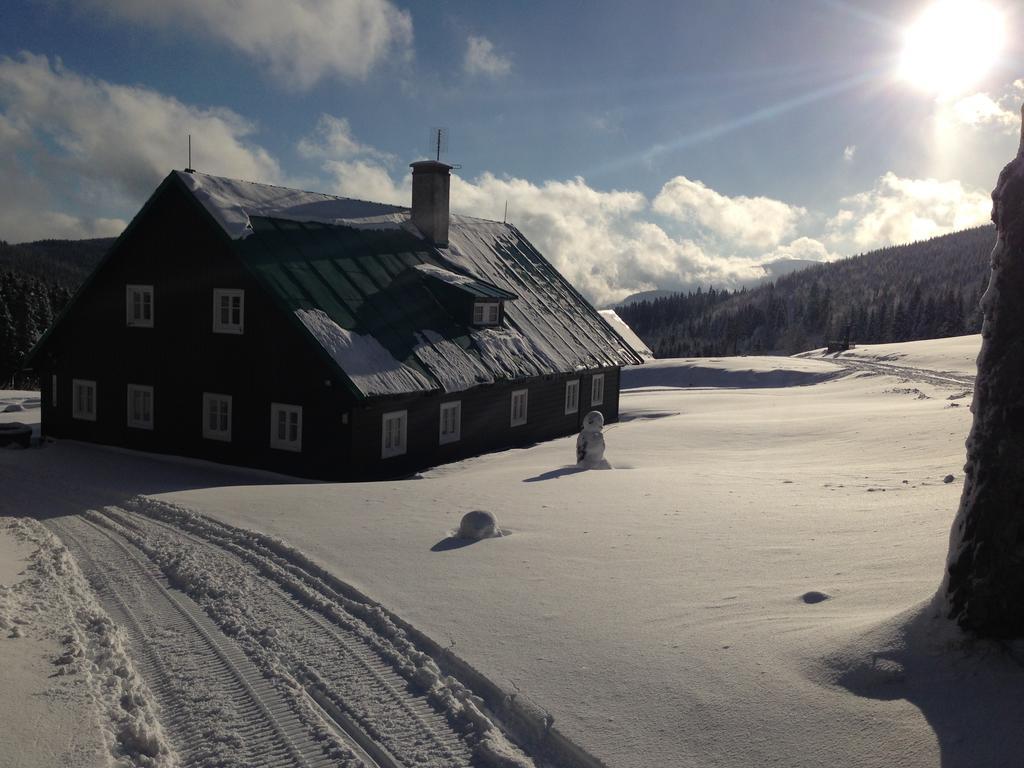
x=358, y=689
x=922, y=375
x=180, y=654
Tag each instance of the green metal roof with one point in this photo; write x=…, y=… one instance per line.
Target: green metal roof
x=369, y=297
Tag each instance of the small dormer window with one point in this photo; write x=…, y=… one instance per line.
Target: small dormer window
x=486, y=312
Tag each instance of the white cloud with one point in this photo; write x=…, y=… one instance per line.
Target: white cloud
x=82, y=144
x=899, y=210
x=299, y=41
x=482, y=59
x=333, y=139
x=849, y=152
x=367, y=180
x=802, y=249
x=982, y=110
x=756, y=222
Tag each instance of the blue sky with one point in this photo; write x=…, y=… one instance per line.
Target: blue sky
x=641, y=145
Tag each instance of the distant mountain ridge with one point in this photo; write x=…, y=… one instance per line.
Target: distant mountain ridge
x=928, y=289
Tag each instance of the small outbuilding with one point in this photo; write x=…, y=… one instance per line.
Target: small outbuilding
x=322, y=336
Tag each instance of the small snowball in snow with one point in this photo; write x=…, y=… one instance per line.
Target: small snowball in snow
x=948, y=479
x=478, y=525
x=814, y=597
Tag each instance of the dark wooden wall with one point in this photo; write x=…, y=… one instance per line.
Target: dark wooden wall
x=486, y=422
x=174, y=248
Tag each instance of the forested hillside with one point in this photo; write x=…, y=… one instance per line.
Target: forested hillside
x=923, y=290
x=36, y=281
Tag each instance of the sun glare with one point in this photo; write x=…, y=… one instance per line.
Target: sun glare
x=951, y=46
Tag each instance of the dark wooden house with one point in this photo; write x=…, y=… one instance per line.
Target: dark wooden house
x=323, y=337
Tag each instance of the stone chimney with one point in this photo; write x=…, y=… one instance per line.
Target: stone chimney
x=430, y=184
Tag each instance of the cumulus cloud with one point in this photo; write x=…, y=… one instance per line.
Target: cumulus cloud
x=982, y=110
x=899, y=210
x=300, y=41
x=802, y=249
x=482, y=59
x=849, y=152
x=759, y=222
x=367, y=180
x=70, y=142
x=333, y=139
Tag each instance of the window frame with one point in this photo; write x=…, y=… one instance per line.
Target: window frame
x=285, y=443
x=452, y=406
x=131, y=290
x=486, y=318
x=389, y=451
x=572, y=406
x=524, y=395
x=88, y=385
x=141, y=423
x=230, y=327
x=597, y=389
x=209, y=432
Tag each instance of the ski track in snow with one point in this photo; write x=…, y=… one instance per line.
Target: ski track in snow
x=253, y=661
x=216, y=706
x=937, y=378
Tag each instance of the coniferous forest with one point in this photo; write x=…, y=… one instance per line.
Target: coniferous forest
x=929, y=289
x=36, y=281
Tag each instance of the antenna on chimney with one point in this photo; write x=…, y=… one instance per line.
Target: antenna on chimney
x=438, y=142
x=190, y=169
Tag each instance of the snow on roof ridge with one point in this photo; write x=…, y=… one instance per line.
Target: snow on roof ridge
x=231, y=202
x=293, y=189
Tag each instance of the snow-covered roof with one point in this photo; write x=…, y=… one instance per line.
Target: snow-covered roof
x=362, y=282
x=477, y=288
x=628, y=334
x=232, y=203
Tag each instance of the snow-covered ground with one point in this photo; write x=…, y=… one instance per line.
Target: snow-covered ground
x=749, y=585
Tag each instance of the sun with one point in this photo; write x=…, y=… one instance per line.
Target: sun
x=951, y=46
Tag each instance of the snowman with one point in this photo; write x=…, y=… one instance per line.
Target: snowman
x=590, y=443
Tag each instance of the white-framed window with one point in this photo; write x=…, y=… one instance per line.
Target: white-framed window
x=519, y=407
x=139, y=306
x=286, y=426
x=572, y=396
x=140, y=406
x=451, y=422
x=486, y=313
x=392, y=438
x=83, y=403
x=597, y=389
x=217, y=416
x=53, y=390
x=228, y=310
